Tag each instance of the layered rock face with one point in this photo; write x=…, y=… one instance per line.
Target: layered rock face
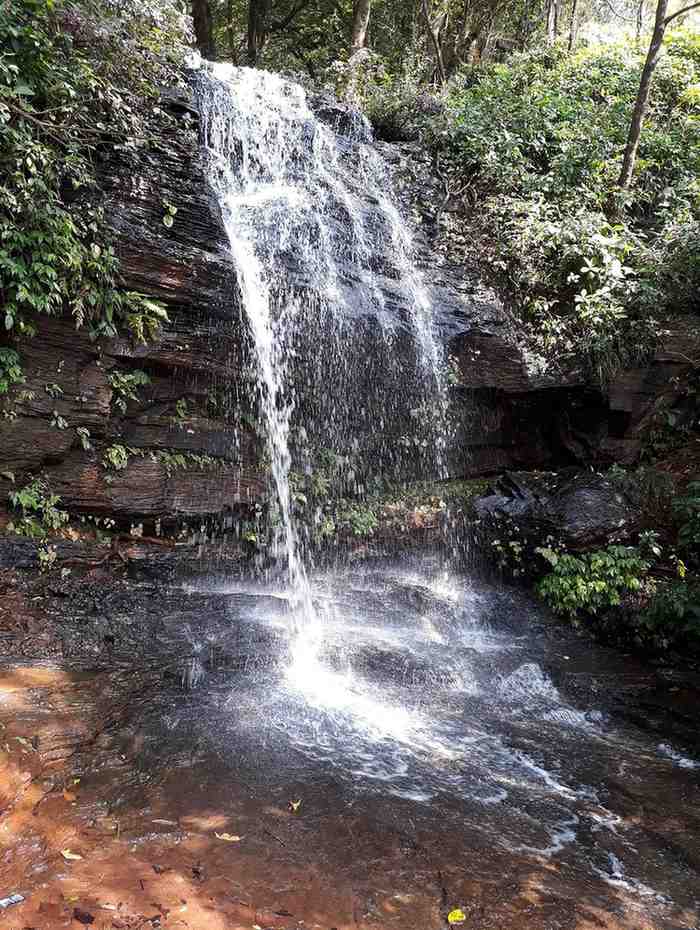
x=186, y=447
x=179, y=449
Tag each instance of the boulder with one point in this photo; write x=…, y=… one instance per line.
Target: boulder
x=580, y=511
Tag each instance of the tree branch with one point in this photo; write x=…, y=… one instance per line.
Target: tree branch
x=686, y=9
x=290, y=17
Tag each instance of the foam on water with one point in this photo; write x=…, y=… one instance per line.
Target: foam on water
x=683, y=762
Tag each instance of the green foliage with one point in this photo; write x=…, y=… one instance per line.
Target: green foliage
x=116, y=458
x=47, y=557
x=592, y=582
x=39, y=509
x=125, y=387
x=83, y=434
x=674, y=612
x=538, y=142
x=358, y=519
x=10, y=370
x=72, y=80
x=687, y=511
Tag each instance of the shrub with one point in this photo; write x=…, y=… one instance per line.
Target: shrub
x=674, y=612
x=687, y=511
x=125, y=387
x=591, y=582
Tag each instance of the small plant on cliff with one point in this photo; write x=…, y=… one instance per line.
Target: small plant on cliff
x=10, y=370
x=116, y=457
x=40, y=513
x=125, y=387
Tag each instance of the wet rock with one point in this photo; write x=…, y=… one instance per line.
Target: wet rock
x=343, y=119
x=580, y=511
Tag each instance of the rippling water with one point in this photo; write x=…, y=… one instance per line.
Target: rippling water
x=450, y=695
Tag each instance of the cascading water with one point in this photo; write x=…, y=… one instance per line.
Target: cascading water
x=296, y=200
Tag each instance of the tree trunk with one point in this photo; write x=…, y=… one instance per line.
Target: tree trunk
x=258, y=28
x=551, y=22
x=201, y=17
x=231, y=32
x=360, y=22
x=435, y=39
x=573, y=24
x=642, y=101
x=525, y=26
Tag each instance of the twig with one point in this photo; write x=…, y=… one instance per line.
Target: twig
x=281, y=842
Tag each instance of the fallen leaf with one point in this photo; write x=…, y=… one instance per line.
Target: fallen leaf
x=68, y=795
x=25, y=742
x=294, y=806
x=456, y=916
x=67, y=854
x=166, y=823
x=229, y=837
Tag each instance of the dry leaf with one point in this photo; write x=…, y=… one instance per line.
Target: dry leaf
x=229, y=837
x=67, y=854
x=166, y=823
x=25, y=742
x=68, y=795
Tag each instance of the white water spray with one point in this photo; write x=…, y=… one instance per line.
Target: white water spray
x=293, y=212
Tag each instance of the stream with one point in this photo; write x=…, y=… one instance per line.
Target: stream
x=448, y=746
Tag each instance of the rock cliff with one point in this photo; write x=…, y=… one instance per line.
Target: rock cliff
x=186, y=447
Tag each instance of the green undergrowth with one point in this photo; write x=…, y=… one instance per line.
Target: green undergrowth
x=394, y=511
x=532, y=148
x=640, y=589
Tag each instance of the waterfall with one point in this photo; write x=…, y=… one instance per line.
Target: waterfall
x=344, y=338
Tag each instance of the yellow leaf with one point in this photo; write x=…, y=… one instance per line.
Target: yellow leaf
x=67, y=854
x=456, y=916
x=294, y=806
x=229, y=837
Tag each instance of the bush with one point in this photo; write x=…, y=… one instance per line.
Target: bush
x=593, y=582
x=687, y=510
x=674, y=613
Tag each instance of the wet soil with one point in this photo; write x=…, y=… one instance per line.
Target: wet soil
x=141, y=730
